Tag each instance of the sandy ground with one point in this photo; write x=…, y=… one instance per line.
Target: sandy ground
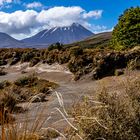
x=70, y=90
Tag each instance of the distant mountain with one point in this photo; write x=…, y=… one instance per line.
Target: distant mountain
x=7, y=41
x=65, y=35
x=74, y=35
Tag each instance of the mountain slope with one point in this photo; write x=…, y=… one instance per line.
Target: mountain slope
x=65, y=35
x=97, y=40
x=7, y=41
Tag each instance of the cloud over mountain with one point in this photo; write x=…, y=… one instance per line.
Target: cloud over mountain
x=30, y=21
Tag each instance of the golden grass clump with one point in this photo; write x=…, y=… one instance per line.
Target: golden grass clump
x=110, y=115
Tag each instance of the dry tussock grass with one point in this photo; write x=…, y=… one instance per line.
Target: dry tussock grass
x=26, y=130
x=110, y=115
x=13, y=93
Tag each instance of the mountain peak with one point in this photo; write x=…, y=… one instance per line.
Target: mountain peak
x=75, y=24
x=66, y=26
x=65, y=35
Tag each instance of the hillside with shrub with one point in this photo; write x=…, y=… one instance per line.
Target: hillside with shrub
x=101, y=40
x=102, y=55
x=98, y=62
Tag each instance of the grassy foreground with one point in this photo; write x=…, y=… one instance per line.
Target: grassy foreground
x=109, y=115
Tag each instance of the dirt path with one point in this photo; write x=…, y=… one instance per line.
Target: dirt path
x=71, y=93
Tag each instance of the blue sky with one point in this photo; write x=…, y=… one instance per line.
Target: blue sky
x=22, y=18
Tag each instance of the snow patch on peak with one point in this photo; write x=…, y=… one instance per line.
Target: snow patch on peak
x=44, y=33
x=54, y=29
x=64, y=28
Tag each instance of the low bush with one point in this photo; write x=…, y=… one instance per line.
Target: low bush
x=76, y=51
x=2, y=72
x=81, y=61
x=57, y=46
x=43, y=86
x=26, y=57
x=9, y=101
x=26, y=81
x=43, y=89
x=4, y=84
x=25, y=88
x=111, y=116
x=34, y=61
x=134, y=64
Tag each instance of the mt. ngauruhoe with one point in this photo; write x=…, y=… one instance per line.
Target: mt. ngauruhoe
x=64, y=35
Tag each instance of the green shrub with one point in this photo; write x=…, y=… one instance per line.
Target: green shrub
x=57, y=46
x=26, y=57
x=26, y=81
x=126, y=33
x=76, y=51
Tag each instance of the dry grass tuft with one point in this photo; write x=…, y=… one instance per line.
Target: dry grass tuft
x=27, y=130
x=2, y=72
x=110, y=116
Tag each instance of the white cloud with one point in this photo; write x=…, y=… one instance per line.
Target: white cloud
x=60, y=16
x=2, y=2
x=18, y=22
x=29, y=22
x=97, y=14
x=34, y=5
x=6, y=4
